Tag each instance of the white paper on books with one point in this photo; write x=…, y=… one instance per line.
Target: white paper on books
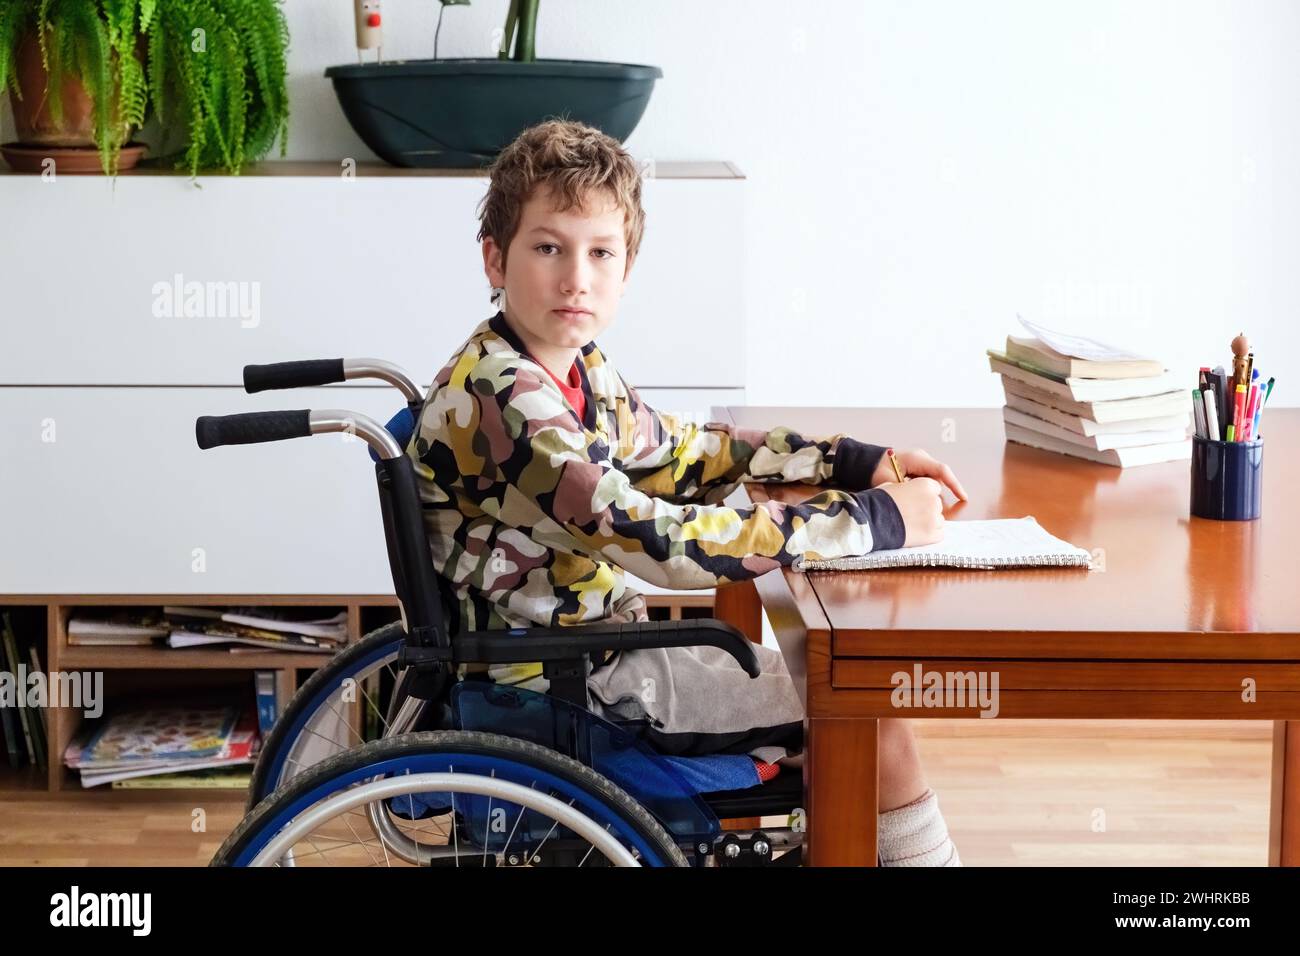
x=990, y=543
x=1080, y=347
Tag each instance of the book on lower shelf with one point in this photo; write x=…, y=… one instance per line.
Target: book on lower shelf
x=163, y=738
x=1083, y=398
x=218, y=778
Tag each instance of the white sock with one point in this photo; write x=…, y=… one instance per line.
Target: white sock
x=916, y=835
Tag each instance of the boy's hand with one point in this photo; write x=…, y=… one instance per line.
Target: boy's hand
x=916, y=462
x=920, y=502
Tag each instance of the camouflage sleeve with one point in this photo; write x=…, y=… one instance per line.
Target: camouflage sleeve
x=526, y=462
x=683, y=461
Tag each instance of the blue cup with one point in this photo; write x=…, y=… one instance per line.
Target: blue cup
x=1227, y=478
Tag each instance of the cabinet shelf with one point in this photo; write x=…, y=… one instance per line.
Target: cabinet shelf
x=669, y=169
x=159, y=669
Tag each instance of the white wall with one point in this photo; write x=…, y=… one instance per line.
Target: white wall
x=921, y=171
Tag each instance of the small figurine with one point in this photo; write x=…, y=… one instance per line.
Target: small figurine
x=1240, y=362
x=369, y=29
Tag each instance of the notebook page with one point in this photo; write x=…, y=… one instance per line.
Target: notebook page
x=995, y=540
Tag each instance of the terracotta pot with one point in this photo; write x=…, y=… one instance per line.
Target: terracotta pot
x=32, y=120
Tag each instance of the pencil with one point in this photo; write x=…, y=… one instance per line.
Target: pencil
x=893, y=460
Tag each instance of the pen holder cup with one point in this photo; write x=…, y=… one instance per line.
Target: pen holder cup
x=1227, y=478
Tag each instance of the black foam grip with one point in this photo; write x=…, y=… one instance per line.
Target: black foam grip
x=251, y=427
x=261, y=378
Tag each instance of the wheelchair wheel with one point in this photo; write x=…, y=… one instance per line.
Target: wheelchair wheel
x=488, y=800
x=314, y=726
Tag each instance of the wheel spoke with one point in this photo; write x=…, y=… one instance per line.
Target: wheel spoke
x=375, y=707
x=358, y=836
x=487, y=825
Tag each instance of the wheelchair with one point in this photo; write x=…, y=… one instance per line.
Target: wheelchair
x=466, y=771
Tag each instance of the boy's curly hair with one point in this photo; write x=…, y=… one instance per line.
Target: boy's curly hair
x=573, y=159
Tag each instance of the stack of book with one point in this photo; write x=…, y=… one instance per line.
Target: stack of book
x=240, y=629
x=1105, y=405
x=117, y=628
x=152, y=741
x=279, y=629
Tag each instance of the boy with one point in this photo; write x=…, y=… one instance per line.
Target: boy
x=545, y=476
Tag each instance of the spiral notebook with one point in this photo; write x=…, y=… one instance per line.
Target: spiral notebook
x=994, y=543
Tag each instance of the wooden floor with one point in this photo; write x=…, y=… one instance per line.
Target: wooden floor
x=1014, y=793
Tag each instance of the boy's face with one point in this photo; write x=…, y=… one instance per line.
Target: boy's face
x=564, y=275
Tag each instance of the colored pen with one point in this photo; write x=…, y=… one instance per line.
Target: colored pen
x=1238, y=409
x=1264, y=392
x=1249, y=426
x=1198, y=414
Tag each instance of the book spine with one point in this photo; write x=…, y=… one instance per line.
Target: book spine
x=264, y=682
x=12, y=659
x=9, y=721
x=868, y=562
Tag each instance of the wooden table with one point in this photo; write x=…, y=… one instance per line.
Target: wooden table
x=1183, y=617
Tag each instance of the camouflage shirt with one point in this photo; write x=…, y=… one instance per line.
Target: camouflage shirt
x=533, y=516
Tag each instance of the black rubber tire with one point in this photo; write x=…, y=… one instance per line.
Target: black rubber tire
x=340, y=663
x=455, y=741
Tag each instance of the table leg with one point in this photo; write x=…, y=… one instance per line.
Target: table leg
x=1284, y=809
x=739, y=605
x=841, y=788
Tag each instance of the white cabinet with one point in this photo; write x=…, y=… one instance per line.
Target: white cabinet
x=105, y=491
x=303, y=266
x=102, y=487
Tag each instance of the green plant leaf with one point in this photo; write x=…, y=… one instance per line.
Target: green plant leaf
x=225, y=106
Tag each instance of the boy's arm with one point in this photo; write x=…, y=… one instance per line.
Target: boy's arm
x=525, y=460
x=683, y=461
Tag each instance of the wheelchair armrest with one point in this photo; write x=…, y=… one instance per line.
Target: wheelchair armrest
x=527, y=644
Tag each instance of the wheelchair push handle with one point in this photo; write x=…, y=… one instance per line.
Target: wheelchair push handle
x=261, y=378
x=277, y=375
x=251, y=427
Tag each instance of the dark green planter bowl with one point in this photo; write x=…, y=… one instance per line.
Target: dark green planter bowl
x=462, y=112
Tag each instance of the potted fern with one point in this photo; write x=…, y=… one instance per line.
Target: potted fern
x=461, y=112
x=83, y=76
